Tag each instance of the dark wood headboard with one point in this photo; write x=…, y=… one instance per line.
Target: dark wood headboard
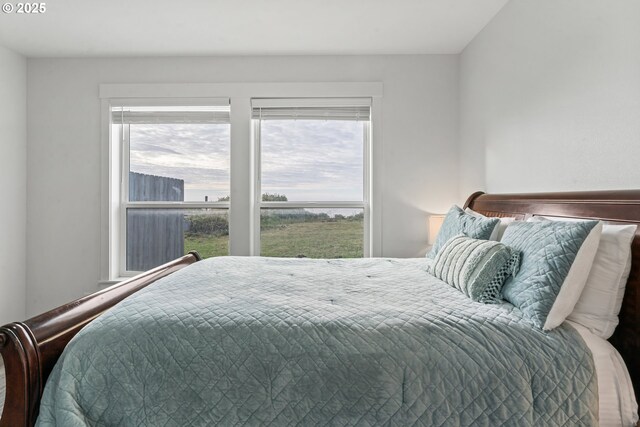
x=614, y=206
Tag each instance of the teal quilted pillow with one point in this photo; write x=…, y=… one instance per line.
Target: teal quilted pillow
x=478, y=268
x=457, y=222
x=548, y=250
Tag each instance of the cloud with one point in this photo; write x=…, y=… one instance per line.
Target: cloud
x=195, y=153
x=313, y=159
x=304, y=159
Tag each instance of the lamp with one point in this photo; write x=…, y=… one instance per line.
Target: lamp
x=435, y=222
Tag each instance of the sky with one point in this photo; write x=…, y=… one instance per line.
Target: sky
x=306, y=160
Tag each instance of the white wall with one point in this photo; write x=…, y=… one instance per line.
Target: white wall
x=13, y=176
x=550, y=98
x=419, y=137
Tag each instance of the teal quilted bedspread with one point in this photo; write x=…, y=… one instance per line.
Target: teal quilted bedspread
x=236, y=341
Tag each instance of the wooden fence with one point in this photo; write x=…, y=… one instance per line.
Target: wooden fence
x=152, y=188
x=154, y=236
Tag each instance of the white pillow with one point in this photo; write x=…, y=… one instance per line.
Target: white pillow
x=598, y=307
x=575, y=281
x=498, y=231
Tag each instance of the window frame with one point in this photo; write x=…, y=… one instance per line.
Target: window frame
x=124, y=204
x=242, y=207
x=364, y=204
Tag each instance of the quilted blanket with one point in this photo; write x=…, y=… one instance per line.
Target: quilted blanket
x=236, y=341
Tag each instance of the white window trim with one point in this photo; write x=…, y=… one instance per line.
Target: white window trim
x=259, y=204
x=124, y=203
x=243, y=188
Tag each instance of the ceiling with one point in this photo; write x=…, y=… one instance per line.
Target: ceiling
x=79, y=28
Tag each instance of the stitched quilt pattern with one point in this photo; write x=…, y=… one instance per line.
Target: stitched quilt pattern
x=236, y=341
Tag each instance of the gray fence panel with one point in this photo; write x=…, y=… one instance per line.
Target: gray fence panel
x=151, y=188
x=154, y=236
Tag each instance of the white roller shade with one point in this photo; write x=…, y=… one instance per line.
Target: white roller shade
x=171, y=115
x=358, y=109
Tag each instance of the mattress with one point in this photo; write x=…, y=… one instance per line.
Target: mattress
x=260, y=341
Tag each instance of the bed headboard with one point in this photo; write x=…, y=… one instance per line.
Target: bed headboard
x=615, y=206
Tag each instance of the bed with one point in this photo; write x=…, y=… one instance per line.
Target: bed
x=388, y=366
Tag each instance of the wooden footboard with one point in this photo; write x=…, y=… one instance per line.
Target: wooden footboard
x=31, y=348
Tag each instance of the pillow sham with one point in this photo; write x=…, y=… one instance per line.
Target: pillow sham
x=458, y=222
x=599, y=304
x=498, y=231
x=548, y=250
x=477, y=268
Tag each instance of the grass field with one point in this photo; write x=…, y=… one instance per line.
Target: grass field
x=335, y=238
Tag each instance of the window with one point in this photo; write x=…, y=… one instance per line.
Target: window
x=247, y=174
x=174, y=164
x=312, y=187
